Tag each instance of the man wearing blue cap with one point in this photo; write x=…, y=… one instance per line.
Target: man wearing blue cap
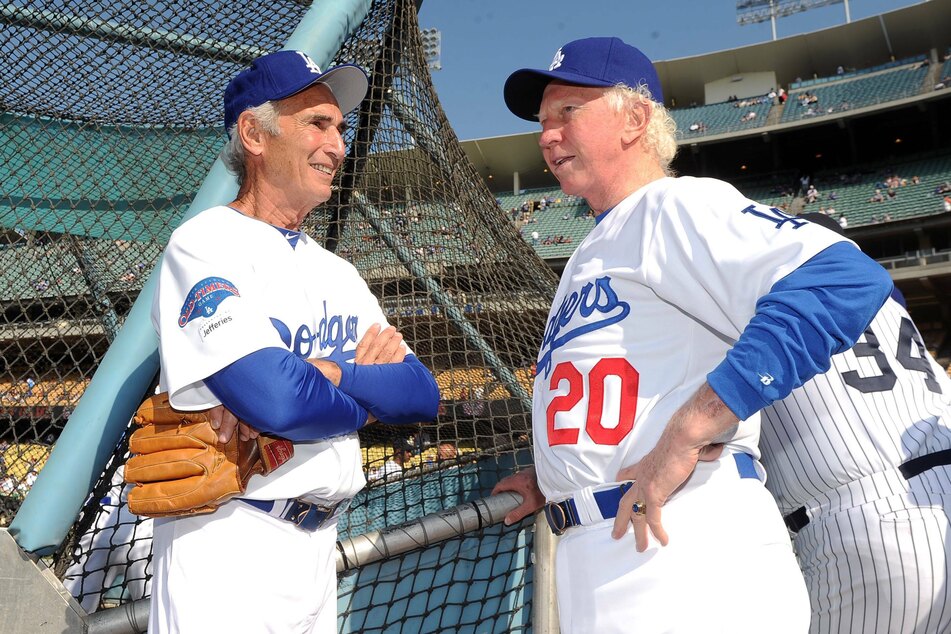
x=686, y=310
x=260, y=323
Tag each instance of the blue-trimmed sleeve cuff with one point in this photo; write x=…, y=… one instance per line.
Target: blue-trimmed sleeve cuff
x=732, y=388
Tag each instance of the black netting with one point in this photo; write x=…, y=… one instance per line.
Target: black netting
x=111, y=117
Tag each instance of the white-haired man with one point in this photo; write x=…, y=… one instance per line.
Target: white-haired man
x=686, y=310
x=259, y=322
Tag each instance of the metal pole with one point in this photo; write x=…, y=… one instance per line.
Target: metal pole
x=131, y=363
x=848, y=18
x=772, y=17
x=97, y=288
x=888, y=42
x=544, y=597
x=426, y=531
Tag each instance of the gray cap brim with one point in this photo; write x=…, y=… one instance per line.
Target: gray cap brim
x=348, y=83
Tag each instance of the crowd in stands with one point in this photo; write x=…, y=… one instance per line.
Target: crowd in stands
x=558, y=239
x=857, y=197
x=388, y=463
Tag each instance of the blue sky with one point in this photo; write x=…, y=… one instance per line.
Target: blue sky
x=483, y=41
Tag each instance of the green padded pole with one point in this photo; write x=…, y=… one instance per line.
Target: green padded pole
x=131, y=363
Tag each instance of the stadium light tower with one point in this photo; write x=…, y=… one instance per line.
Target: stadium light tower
x=755, y=11
x=432, y=48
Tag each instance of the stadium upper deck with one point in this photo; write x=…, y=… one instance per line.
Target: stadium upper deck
x=887, y=61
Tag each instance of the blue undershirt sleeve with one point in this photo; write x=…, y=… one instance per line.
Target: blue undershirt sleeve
x=278, y=393
x=818, y=310
x=393, y=392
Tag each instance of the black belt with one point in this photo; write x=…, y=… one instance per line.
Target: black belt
x=798, y=519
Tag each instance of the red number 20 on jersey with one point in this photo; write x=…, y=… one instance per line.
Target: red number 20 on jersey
x=566, y=371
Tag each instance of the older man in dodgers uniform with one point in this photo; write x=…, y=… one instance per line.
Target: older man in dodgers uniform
x=259, y=321
x=686, y=310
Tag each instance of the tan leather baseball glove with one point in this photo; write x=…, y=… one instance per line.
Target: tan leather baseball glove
x=180, y=467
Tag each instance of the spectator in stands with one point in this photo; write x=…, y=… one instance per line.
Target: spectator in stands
x=446, y=450
x=943, y=188
x=749, y=116
x=398, y=461
x=534, y=238
x=812, y=194
x=833, y=195
x=877, y=197
x=887, y=217
x=782, y=95
x=843, y=221
x=947, y=203
x=892, y=193
x=839, y=70
x=8, y=486
x=30, y=384
x=804, y=182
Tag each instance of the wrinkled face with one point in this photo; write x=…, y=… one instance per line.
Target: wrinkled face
x=301, y=161
x=581, y=141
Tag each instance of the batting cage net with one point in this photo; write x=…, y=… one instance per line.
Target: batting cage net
x=111, y=118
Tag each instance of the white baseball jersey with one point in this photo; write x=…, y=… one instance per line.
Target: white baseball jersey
x=116, y=549
x=231, y=285
x=648, y=305
x=882, y=403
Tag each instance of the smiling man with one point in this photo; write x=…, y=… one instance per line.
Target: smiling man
x=686, y=310
x=262, y=325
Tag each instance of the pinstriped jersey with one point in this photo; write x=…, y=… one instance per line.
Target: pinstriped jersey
x=650, y=302
x=881, y=403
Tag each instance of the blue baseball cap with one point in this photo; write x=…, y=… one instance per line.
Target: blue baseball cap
x=285, y=73
x=593, y=61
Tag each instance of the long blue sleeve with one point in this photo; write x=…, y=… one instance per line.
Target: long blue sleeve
x=276, y=392
x=818, y=310
x=394, y=392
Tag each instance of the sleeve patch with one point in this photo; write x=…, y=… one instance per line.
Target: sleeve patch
x=204, y=297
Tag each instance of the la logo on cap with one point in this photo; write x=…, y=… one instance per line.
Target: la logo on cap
x=311, y=64
x=556, y=62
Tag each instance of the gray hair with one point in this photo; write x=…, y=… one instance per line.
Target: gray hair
x=233, y=154
x=661, y=134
